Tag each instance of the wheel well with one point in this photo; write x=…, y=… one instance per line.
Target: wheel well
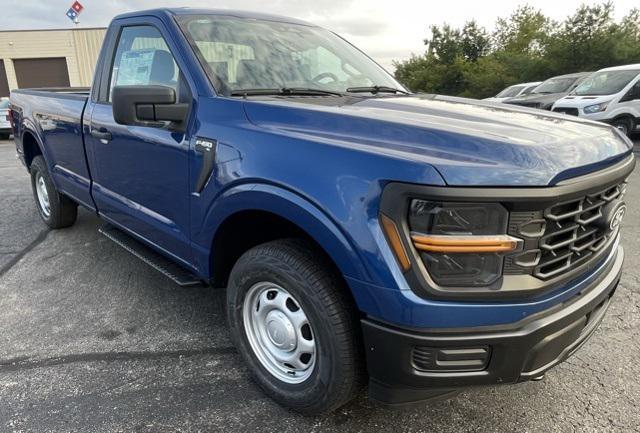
x=628, y=117
x=247, y=229
x=30, y=148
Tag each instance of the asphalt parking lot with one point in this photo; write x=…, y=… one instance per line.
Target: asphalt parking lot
x=93, y=340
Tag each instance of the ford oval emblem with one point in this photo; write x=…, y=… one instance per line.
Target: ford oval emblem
x=617, y=217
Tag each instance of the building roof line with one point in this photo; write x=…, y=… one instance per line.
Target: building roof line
x=54, y=30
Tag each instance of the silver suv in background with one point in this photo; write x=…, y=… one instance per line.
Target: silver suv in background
x=514, y=91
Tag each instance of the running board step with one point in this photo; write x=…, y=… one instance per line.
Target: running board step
x=160, y=263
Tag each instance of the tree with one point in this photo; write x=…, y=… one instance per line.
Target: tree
x=445, y=44
x=524, y=32
x=474, y=41
x=628, y=46
x=524, y=46
x=586, y=41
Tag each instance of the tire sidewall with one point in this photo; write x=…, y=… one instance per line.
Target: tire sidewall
x=318, y=386
x=627, y=123
x=38, y=167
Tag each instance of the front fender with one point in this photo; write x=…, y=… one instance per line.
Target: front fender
x=288, y=205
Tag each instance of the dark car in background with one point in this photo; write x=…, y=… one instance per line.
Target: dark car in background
x=550, y=91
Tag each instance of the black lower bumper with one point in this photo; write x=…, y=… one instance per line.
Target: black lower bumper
x=407, y=366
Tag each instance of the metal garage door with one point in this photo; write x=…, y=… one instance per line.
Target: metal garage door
x=4, y=85
x=51, y=72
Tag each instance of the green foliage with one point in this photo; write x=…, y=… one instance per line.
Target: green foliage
x=526, y=46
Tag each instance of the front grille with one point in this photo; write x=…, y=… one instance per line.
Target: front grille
x=566, y=110
x=564, y=236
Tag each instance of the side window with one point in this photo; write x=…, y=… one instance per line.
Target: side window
x=633, y=94
x=143, y=58
x=635, y=90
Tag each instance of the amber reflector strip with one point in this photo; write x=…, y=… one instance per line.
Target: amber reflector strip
x=464, y=244
x=393, y=236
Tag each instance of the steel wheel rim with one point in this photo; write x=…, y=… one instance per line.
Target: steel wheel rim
x=279, y=332
x=43, y=196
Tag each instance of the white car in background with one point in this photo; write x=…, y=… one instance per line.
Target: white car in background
x=513, y=91
x=5, y=126
x=610, y=95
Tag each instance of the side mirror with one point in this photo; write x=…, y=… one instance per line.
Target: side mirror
x=148, y=106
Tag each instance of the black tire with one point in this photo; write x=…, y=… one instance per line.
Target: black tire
x=296, y=266
x=4, y=136
x=624, y=124
x=62, y=212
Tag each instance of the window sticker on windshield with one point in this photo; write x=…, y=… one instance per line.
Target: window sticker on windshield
x=135, y=67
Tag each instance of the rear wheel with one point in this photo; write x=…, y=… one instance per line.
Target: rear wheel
x=624, y=124
x=295, y=326
x=4, y=136
x=56, y=210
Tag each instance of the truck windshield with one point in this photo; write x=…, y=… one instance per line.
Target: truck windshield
x=249, y=54
x=606, y=82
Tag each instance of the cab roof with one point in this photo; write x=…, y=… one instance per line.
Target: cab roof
x=172, y=12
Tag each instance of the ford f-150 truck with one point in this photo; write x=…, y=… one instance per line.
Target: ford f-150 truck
x=420, y=243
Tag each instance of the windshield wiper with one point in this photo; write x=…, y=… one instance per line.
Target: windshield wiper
x=376, y=89
x=285, y=91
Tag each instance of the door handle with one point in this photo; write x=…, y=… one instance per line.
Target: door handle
x=101, y=134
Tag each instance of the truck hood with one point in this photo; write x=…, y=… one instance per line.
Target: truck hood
x=537, y=100
x=469, y=142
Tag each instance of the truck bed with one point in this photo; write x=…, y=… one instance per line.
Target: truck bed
x=75, y=92
x=58, y=117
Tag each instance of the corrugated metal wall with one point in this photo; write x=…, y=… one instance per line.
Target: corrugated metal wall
x=87, y=45
x=79, y=47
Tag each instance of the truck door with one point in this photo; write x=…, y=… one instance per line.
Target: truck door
x=141, y=173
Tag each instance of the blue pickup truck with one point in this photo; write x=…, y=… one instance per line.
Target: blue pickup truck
x=364, y=234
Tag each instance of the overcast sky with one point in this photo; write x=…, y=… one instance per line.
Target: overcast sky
x=386, y=29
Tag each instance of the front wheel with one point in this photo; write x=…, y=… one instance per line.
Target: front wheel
x=295, y=326
x=624, y=125
x=56, y=210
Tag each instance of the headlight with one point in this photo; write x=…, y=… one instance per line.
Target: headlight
x=461, y=244
x=596, y=108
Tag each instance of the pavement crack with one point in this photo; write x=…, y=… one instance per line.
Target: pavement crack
x=28, y=363
x=15, y=259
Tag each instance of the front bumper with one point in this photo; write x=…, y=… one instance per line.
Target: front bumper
x=407, y=366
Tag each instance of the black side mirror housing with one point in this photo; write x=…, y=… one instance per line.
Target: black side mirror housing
x=148, y=106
